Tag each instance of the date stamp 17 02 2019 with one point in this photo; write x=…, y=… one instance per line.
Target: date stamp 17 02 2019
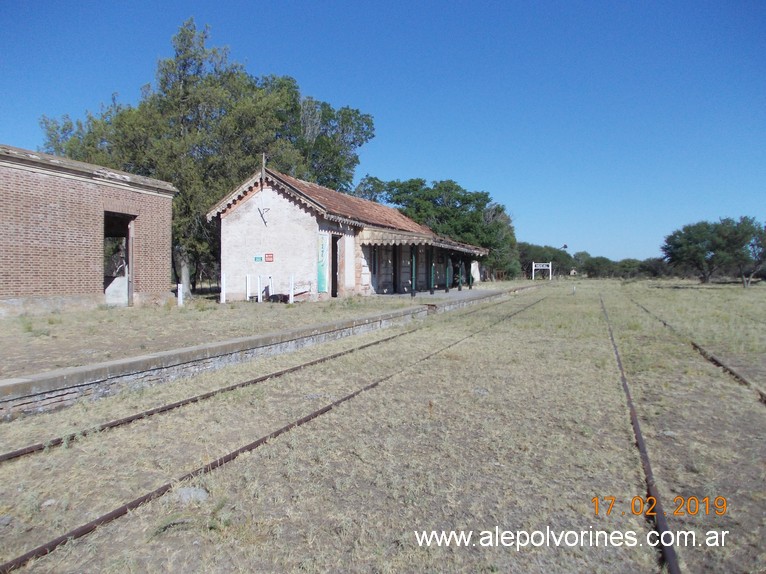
x=645, y=505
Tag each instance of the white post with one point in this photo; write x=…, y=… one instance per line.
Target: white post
x=247, y=287
x=180, y=289
x=271, y=286
x=550, y=270
x=223, y=288
x=533, y=270
x=259, y=294
x=292, y=288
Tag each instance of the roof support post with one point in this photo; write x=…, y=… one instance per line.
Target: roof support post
x=414, y=270
x=448, y=274
x=432, y=269
x=461, y=270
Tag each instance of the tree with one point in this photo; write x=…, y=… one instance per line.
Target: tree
x=709, y=247
x=697, y=245
x=579, y=259
x=371, y=188
x=203, y=127
x=745, y=241
x=449, y=209
x=330, y=144
x=654, y=267
x=599, y=267
x=501, y=241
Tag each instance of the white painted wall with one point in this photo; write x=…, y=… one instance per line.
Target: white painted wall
x=282, y=228
x=348, y=272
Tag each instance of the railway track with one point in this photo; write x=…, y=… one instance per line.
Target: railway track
x=669, y=558
x=124, y=509
x=707, y=355
x=70, y=438
x=696, y=423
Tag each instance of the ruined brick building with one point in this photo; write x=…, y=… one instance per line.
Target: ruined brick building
x=72, y=233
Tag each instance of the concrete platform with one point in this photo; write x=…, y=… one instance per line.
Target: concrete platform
x=61, y=387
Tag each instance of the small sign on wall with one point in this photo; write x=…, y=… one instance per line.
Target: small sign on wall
x=258, y=258
x=269, y=258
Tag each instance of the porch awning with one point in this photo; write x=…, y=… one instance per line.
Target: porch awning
x=379, y=236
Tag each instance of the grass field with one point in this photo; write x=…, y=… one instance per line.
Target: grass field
x=516, y=423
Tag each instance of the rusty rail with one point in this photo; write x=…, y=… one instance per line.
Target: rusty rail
x=707, y=355
x=74, y=436
x=111, y=516
x=668, y=552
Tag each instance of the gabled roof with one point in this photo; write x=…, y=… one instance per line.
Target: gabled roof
x=355, y=210
x=43, y=161
x=393, y=227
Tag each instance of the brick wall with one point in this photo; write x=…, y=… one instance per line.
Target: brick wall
x=52, y=234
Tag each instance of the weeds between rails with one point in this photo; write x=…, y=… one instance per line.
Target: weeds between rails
x=124, y=421
x=85, y=529
x=707, y=355
x=669, y=559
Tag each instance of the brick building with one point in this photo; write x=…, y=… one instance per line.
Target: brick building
x=75, y=233
x=277, y=230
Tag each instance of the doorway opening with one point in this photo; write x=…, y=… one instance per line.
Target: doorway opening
x=118, y=258
x=335, y=255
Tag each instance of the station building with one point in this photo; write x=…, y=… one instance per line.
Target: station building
x=76, y=234
x=279, y=233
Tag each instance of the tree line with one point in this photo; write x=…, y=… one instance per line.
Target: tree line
x=704, y=250
x=204, y=126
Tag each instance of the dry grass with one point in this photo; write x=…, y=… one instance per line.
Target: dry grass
x=725, y=319
x=518, y=443
x=518, y=426
x=37, y=343
x=704, y=430
x=33, y=344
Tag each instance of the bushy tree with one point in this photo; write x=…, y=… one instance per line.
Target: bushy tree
x=745, y=241
x=449, y=209
x=600, y=267
x=696, y=245
x=204, y=127
x=655, y=267
x=724, y=245
x=372, y=188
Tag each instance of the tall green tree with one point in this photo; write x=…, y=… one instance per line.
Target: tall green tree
x=600, y=267
x=204, y=126
x=371, y=188
x=449, y=209
x=330, y=139
x=745, y=242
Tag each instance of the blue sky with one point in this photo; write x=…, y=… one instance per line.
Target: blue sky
x=603, y=125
